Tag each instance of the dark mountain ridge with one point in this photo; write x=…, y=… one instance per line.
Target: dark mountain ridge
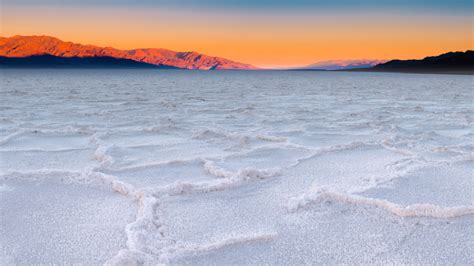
x=452, y=62
x=28, y=46
x=50, y=61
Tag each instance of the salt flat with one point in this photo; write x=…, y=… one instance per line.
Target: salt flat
x=213, y=168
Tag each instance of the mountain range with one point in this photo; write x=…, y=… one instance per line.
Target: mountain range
x=452, y=62
x=34, y=46
x=45, y=51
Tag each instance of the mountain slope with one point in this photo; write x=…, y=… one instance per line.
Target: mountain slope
x=452, y=62
x=25, y=46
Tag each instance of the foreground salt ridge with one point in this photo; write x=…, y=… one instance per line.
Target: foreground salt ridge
x=149, y=239
x=148, y=227
x=148, y=222
x=225, y=179
x=320, y=195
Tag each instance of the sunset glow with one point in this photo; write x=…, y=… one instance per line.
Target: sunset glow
x=279, y=37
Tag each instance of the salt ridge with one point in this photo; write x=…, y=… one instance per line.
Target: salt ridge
x=319, y=196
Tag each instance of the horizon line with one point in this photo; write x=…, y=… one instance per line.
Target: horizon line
x=260, y=66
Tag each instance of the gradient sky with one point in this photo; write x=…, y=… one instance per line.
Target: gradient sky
x=266, y=33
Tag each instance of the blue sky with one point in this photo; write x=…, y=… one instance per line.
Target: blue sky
x=453, y=5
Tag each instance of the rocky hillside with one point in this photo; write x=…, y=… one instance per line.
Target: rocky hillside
x=27, y=46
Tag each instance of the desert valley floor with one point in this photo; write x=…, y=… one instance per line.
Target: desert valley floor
x=229, y=167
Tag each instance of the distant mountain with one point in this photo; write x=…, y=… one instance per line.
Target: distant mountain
x=51, y=61
x=28, y=46
x=452, y=62
x=343, y=64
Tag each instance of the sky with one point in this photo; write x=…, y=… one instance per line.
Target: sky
x=264, y=33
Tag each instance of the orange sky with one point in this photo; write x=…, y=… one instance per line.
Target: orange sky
x=275, y=39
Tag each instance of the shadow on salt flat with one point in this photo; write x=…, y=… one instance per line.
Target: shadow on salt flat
x=347, y=170
x=146, y=155
x=61, y=223
x=137, y=139
x=264, y=158
x=45, y=142
x=321, y=139
x=248, y=209
x=443, y=185
x=163, y=174
x=30, y=161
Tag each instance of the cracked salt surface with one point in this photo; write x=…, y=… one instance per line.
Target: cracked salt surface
x=217, y=168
